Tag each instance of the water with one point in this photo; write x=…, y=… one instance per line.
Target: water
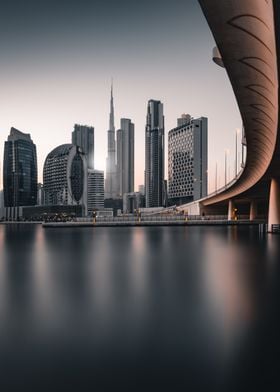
x=147, y=308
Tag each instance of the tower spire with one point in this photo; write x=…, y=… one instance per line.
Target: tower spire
x=112, y=115
x=110, y=183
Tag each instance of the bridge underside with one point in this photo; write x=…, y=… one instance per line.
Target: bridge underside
x=257, y=195
x=247, y=35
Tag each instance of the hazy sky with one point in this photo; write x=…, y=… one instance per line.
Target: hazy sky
x=58, y=57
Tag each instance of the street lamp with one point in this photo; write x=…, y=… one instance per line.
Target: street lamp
x=226, y=155
x=216, y=178
x=243, y=144
x=236, y=151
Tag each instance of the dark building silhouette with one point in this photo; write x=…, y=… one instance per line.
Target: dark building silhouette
x=115, y=204
x=20, y=170
x=154, y=155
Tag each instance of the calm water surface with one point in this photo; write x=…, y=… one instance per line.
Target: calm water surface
x=149, y=309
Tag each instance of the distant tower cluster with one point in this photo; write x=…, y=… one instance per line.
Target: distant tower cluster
x=20, y=170
x=120, y=157
x=83, y=137
x=187, y=160
x=154, y=155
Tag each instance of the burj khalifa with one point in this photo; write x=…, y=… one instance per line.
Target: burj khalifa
x=111, y=168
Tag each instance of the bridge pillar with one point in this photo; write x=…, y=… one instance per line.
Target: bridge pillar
x=231, y=210
x=253, y=210
x=274, y=204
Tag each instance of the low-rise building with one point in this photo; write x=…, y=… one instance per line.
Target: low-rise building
x=132, y=202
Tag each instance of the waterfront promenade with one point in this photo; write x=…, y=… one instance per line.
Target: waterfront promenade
x=151, y=221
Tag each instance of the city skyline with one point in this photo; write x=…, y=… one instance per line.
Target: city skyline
x=47, y=88
x=174, y=287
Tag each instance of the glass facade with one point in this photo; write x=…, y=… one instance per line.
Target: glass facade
x=20, y=170
x=77, y=177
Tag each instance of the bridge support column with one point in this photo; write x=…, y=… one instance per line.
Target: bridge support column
x=274, y=204
x=253, y=210
x=231, y=210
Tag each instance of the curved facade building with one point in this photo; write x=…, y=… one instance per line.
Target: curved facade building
x=247, y=37
x=20, y=170
x=65, y=176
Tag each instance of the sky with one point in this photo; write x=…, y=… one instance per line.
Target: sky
x=58, y=58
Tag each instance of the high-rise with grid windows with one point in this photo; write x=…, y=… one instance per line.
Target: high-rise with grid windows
x=187, y=160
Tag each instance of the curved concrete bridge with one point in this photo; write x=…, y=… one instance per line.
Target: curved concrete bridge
x=248, y=46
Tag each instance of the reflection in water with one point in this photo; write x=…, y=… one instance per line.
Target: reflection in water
x=229, y=287
x=170, y=307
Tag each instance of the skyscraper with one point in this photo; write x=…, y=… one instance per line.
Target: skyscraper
x=111, y=180
x=95, y=190
x=154, y=154
x=20, y=170
x=83, y=136
x=188, y=160
x=125, y=157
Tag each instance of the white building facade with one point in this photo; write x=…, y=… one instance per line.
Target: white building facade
x=95, y=190
x=188, y=160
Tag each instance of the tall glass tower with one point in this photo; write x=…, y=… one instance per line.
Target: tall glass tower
x=20, y=170
x=154, y=155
